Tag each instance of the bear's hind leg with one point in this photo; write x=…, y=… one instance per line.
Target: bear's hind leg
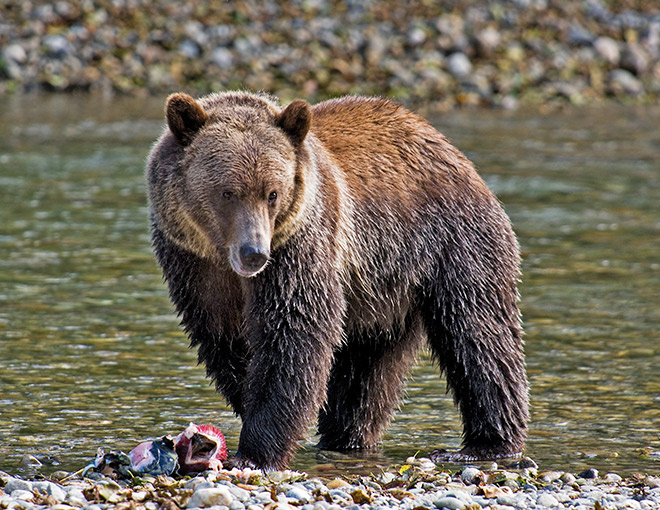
x=482, y=358
x=366, y=384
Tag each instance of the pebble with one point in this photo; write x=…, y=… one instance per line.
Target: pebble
x=459, y=65
x=299, y=495
x=75, y=497
x=239, y=493
x=589, y=474
x=551, y=476
x=547, y=500
x=337, y=483
x=50, y=489
x=608, y=49
x=653, y=482
x=210, y=496
x=567, y=478
x=634, y=59
x=612, y=477
x=222, y=57
x=471, y=475
x=15, y=53
x=20, y=494
x=450, y=502
x=15, y=484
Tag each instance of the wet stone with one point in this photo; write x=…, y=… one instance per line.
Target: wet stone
x=208, y=497
x=50, y=489
x=75, y=497
x=578, y=35
x=567, y=478
x=222, y=57
x=634, y=59
x=194, y=482
x=608, y=49
x=338, y=482
x=20, y=494
x=15, y=53
x=653, y=482
x=588, y=474
x=547, y=500
x=472, y=475
x=551, y=476
x=15, y=484
x=612, y=478
x=58, y=46
x=450, y=503
x=299, y=495
x=190, y=49
x=239, y=493
x=459, y=65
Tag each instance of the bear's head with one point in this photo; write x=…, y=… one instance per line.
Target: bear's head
x=236, y=178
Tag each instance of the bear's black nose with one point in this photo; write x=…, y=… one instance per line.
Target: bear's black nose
x=252, y=258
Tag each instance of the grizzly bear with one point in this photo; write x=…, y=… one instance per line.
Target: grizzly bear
x=311, y=250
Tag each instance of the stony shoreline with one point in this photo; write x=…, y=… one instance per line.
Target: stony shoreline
x=418, y=484
x=500, y=53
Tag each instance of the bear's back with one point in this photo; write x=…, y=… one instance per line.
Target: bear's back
x=352, y=126
x=386, y=151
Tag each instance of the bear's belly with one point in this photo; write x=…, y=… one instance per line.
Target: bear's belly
x=373, y=307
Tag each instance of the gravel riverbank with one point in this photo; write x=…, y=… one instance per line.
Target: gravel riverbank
x=417, y=485
x=459, y=52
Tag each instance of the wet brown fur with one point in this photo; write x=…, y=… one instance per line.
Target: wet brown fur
x=382, y=236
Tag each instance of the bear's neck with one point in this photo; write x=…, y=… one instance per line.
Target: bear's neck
x=305, y=190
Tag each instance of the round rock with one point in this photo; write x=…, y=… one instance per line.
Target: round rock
x=16, y=484
x=450, y=503
x=612, y=478
x=239, y=493
x=547, y=500
x=634, y=59
x=21, y=495
x=15, y=53
x=300, y=496
x=211, y=496
x=608, y=49
x=590, y=473
x=471, y=475
x=459, y=65
x=567, y=478
x=222, y=57
x=50, y=489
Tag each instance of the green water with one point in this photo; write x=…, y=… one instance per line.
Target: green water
x=91, y=354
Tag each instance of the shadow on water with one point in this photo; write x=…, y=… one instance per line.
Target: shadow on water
x=91, y=354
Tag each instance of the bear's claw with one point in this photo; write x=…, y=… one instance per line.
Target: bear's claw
x=238, y=463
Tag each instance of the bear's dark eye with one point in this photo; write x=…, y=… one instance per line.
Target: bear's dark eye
x=272, y=197
x=227, y=195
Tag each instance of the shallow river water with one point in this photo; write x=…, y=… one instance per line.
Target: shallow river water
x=91, y=353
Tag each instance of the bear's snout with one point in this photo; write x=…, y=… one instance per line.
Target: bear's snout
x=251, y=259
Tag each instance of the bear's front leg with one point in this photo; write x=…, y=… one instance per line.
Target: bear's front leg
x=294, y=317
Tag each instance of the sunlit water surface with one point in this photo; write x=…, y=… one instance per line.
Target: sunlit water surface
x=91, y=354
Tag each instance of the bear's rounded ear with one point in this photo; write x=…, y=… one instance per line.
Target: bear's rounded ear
x=185, y=117
x=295, y=120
